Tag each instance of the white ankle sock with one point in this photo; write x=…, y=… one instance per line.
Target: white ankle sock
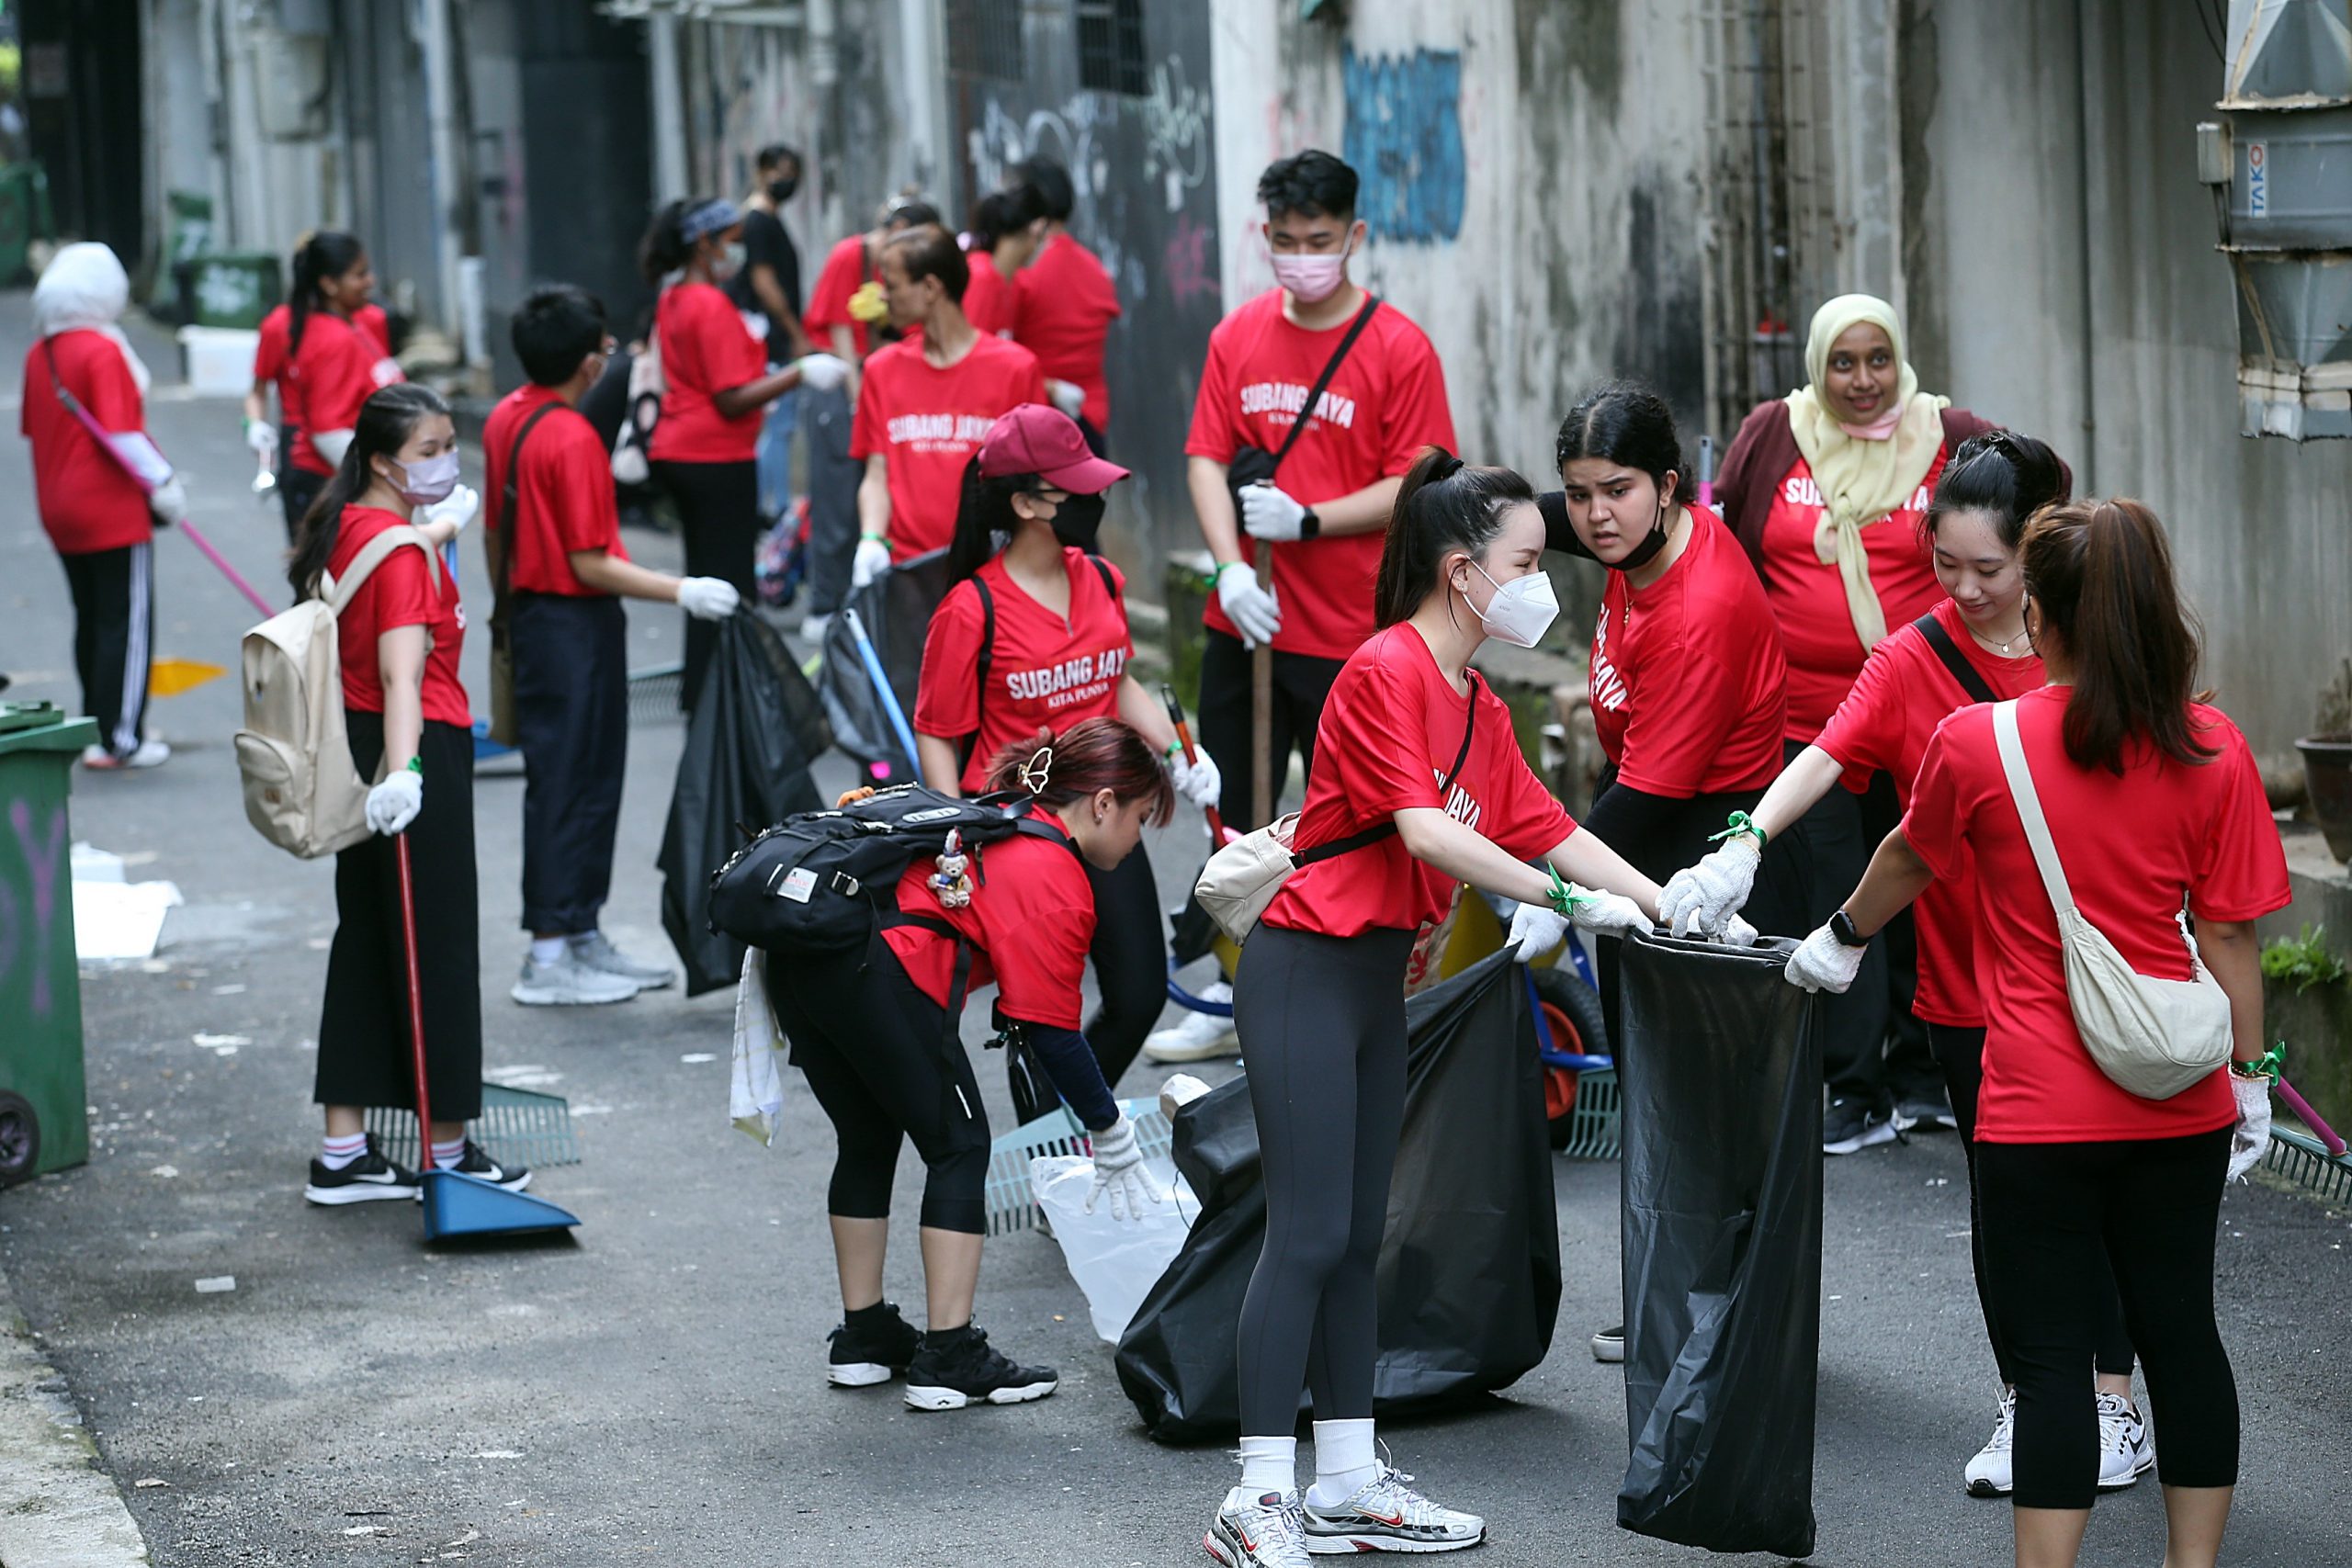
x=1343, y=1461
x=549, y=949
x=1268, y=1464
x=337, y=1153
x=446, y=1155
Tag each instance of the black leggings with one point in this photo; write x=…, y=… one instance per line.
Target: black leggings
x=1960, y=1051
x=883, y=1062
x=1130, y=956
x=1322, y=1020
x=718, y=513
x=2151, y=1206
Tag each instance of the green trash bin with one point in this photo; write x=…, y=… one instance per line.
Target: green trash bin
x=227, y=290
x=44, y=1108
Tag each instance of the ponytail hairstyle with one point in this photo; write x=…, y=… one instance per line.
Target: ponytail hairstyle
x=1444, y=505
x=329, y=253
x=983, y=510
x=2101, y=575
x=1091, y=755
x=665, y=248
x=387, y=419
x=1627, y=423
x=2007, y=476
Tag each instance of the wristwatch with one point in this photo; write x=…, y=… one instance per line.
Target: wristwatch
x=1309, y=524
x=1841, y=926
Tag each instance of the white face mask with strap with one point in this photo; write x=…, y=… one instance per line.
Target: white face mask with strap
x=1522, y=611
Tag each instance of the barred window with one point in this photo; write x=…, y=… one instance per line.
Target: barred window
x=984, y=39
x=1110, y=47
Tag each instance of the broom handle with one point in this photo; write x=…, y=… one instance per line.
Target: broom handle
x=236, y=578
x=1261, y=711
x=882, y=692
x=1184, y=739
x=415, y=1006
x=2303, y=1108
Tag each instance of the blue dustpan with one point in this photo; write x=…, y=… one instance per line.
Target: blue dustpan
x=460, y=1205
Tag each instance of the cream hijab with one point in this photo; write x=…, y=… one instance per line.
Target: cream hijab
x=84, y=287
x=1864, y=473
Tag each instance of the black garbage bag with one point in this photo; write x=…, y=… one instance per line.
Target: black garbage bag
x=755, y=729
x=1469, y=1279
x=896, y=608
x=1720, y=1067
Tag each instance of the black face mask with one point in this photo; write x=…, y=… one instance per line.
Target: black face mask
x=1077, y=522
x=780, y=191
x=1647, y=551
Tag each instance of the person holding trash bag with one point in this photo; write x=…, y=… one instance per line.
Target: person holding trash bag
x=2106, y=1123
x=557, y=554
x=1035, y=635
x=1825, y=487
x=334, y=359
x=1419, y=784
x=1976, y=653
x=272, y=442
x=99, y=519
x=717, y=381
x=411, y=728
x=880, y=1047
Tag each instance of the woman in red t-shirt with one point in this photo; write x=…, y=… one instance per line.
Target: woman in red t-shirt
x=1419, y=784
x=410, y=725
x=868, y=1036
x=273, y=442
x=716, y=382
x=335, y=358
x=1034, y=635
x=2153, y=805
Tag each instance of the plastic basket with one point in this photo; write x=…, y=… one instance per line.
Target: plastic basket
x=1012, y=1205
x=1593, y=1132
x=654, y=691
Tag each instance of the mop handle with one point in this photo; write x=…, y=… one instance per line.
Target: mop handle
x=236, y=578
x=1184, y=739
x=2303, y=1109
x=1707, y=471
x=889, y=699
x=415, y=1007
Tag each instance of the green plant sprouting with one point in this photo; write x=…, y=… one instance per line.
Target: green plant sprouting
x=2303, y=961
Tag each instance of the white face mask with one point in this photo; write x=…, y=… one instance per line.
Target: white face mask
x=1311, y=278
x=728, y=261
x=1522, y=611
x=423, y=483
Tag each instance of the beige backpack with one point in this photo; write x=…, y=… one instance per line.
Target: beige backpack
x=302, y=791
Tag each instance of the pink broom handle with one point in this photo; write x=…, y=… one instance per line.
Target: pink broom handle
x=236, y=578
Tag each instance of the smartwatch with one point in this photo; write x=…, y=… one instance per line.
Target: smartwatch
x=1841, y=926
x=1309, y=524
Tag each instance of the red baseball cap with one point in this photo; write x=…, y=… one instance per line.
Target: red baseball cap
x=1037, y=439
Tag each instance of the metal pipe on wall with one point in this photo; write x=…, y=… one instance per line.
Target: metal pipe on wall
x=668, y=108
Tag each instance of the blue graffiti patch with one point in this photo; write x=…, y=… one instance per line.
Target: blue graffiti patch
x=1405, y=139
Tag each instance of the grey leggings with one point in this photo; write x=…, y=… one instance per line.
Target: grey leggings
x=1322, y=1027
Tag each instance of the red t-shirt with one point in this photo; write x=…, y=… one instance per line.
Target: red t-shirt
x=335, y=368
x=1065, y=305
x=1391, y=729
x=987, y=298
x=842, y=274
x=1030, y=923
x=1044, y=671
x=1385, y=403
x=1808, y=598
x=87, y=503
x=1687, y=678
x=401, y=591
x=564, y=500
x=706, y=349
x=270, y=352
x=1884, y=723
x=2134, y=849
x=928, y=422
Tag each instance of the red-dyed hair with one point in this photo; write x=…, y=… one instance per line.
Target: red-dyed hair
x=1091, y=755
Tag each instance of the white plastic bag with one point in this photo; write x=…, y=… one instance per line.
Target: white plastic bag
x=755, y=1084
x=1115, y=1262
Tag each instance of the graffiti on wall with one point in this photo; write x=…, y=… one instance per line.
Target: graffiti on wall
x=1404, y=137
x=27, y=934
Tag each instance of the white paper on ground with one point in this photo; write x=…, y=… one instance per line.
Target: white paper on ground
x=1115, y=1262
x=120, y=919
x=91, y=863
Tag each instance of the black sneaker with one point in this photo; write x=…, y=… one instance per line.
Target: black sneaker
x=1609, y=1345
x=956, y=1368
x=366, y=1180
x=478, y=1164
x=1851, y=1125
x=860, y=1358
x=1927, y=1110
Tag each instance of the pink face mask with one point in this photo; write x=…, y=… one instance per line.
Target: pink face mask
x=1311, y=279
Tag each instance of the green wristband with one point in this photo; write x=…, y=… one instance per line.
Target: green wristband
x=416, y=766
x=1740, y=822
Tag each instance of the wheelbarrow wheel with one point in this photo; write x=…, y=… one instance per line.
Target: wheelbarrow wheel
x=1573, y=1017
x=19, y=1139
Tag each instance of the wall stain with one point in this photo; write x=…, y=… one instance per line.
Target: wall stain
x=1404, y=138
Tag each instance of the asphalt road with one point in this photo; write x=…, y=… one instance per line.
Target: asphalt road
x=653, y=1392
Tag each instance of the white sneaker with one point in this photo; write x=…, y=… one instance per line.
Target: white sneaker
x=1991, y=1474
x=151, y=754
x=567, y=982
x=2125, y=1452
x=596, y=950
x=1258, y=1532
x=1385, y=1515
x=1201, y=1037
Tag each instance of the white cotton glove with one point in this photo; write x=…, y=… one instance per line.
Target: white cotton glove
x=1198, y=780
x=1251, y=608
x=1268, y=512
x=2251, y=1136
x=821, y=372
x=1738, y=933
x=457, y=509
x=1119, y=1170
x=168, y=501
x=393, y=805
x=1824, y=964
x=1535, y=930
x=1700, y=897
x=1067, y=396
x=873, y=558
x=707, y=598
x=262, y=436
x=1606, y=914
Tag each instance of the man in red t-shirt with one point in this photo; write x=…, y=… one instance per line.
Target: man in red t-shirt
x=834, y=474
x=1064, y=303
x=1329, y=499
x=927, y=402
x=553, y=533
